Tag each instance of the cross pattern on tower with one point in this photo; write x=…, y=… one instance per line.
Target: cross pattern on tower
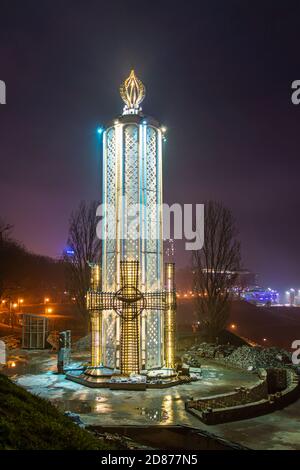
x=128, y=302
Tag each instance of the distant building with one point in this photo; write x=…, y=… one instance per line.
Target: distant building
x=185, y=284
x=244, y=277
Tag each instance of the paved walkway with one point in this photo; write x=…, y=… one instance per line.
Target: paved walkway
x=275, y=431
x=37, y=373
x=279, y=430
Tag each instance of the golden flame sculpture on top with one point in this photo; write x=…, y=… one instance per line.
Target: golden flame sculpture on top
x=132, y=92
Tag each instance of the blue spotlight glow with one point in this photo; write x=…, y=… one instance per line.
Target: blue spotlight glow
x=100, y=130
x=69, y=251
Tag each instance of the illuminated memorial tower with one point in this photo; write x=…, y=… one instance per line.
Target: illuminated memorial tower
x=133, y=306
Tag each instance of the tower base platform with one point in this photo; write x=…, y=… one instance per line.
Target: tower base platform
x=103, y=377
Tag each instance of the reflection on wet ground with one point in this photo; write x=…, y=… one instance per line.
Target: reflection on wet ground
x=36, y=371
x=155, y=415
x=30, y=362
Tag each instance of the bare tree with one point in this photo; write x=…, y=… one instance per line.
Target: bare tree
x=215, y=269
x=5, y=232
x=83, y=248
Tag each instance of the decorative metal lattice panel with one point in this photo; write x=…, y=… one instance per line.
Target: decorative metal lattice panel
x=111, y=182
x=109, y=323
x=152, y=252
x=132, y=169
x=128, y=302
x=152, y=217
x=110, y=262
x=153, y=339
x=131, y=191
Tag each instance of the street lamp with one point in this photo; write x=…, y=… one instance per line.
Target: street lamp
x=20, y=302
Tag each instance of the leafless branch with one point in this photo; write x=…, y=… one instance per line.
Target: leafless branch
x=215, y=268
x=83, y=242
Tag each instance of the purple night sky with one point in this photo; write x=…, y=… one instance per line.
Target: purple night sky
x=218, y=75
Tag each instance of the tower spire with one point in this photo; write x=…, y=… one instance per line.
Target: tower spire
x=132, y=92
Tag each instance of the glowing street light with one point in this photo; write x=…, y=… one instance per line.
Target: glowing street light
x=291, y=296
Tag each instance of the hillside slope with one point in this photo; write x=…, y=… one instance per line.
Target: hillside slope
x=28, y=422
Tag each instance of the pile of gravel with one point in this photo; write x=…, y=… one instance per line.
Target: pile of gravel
x=206, y=350
x=245, y=357
x=253, y=358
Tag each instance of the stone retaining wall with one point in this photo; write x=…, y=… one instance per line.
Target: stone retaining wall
x=227, y=407
x=240, y=396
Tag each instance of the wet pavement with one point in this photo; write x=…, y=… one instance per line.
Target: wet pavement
x=276, y=431
x=36, y=371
